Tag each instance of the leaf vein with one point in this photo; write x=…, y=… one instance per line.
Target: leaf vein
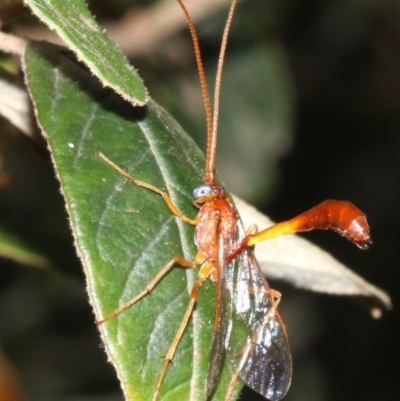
x=167, y=177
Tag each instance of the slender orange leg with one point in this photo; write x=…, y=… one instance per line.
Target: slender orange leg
x=143, y=184
x=206, y=270
x=176, y=260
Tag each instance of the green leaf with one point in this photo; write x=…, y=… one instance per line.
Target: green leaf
x=15, y=249
x=124, y=233
x=76, y=26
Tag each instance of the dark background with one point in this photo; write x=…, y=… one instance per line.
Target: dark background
x=329, y=112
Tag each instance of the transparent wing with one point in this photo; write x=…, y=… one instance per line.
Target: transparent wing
x=256, y=342
x=266, y=365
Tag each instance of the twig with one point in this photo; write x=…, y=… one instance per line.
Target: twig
x=141, y=30
x=12, y=44
x=15, y=107
x=139, y=33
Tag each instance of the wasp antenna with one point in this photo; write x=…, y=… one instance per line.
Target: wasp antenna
x=200, y=68
x=212, y=139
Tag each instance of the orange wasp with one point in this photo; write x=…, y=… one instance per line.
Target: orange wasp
x=260, y=356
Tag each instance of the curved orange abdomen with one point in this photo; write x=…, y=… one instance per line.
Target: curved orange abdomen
x=340, y=216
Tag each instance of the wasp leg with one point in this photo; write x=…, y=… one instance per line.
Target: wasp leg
x=205, y=271
x=176, y=260
x=143, y=184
